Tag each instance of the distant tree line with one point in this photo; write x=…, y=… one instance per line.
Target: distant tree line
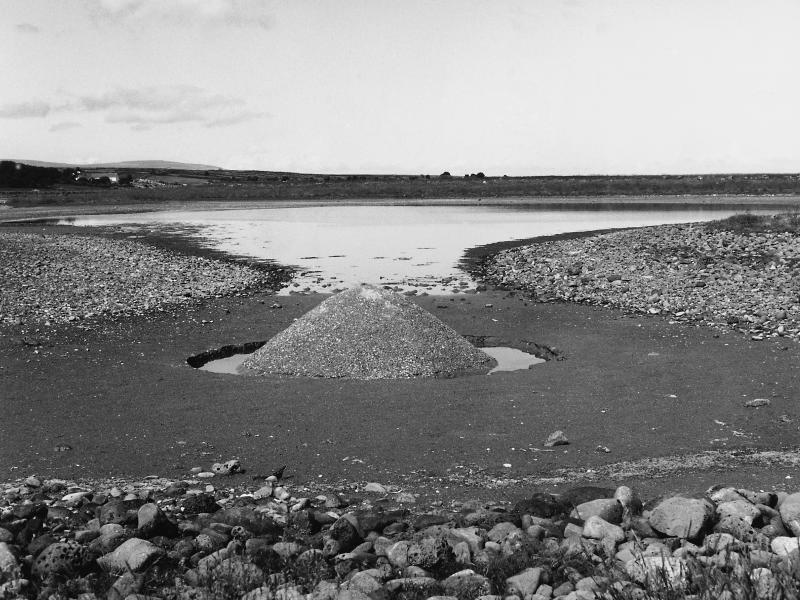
x=18, y=175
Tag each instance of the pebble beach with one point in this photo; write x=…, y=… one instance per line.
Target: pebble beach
x=65, y=278
x=687, y=273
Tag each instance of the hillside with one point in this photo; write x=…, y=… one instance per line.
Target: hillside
x=126, y=164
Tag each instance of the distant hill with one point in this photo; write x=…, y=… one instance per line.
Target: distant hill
x=127, y=164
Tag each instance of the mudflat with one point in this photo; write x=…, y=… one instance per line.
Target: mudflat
x=655, y=404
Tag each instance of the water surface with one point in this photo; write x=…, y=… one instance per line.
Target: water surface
x=406, y=247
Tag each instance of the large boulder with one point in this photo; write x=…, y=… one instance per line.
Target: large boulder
x=681, y=517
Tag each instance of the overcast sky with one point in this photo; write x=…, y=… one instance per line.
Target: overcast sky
x=518, y=87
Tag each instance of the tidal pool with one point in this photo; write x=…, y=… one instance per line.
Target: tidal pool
x=403, y=247
x=508, y=359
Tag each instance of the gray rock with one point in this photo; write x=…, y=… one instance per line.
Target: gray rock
x=397, y=554
x=525, y=583
x=681, y=517
x=608, y=509
x=135, y=555
x=411, y=584
x=226, y=468
x=364, y=583
x=62, y=558
x=784, y=546
x=126, y=585
x=8, y=562
x=425, y=553
x=557, y=438
x=151, y=521
x=790, y=513
x=598, y=529
x=657, y=570
x=502, y=530
x=466, y=584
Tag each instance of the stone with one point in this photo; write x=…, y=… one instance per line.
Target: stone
x=352, y=594
x=287, y=549
x=790, y=513
x=525, y=583
x=257, y=523
x=134, y=554
x=597, y=528
x=116, y=511
x=227, y=468
x=126, y=585
x=364, y=583
x=784, y=546
x=8, y=562
x=411, y=584
x=376, y=488
x=657, y=570
x=681, y=517
x=199, y=503
x=607, y=509
x=765, y=585
x=736, y=517
x=470, y=535
x=151, y=521
x=502, y=530
x=62, y=558
x=557, y=438
x=756, y=402
x=466, y=583
x=345, y=533
x=397, y=554
x=425, y=553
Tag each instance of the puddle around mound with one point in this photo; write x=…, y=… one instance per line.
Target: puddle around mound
x=511, y=359
x=228, y=360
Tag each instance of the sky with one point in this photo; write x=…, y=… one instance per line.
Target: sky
x=516, y=87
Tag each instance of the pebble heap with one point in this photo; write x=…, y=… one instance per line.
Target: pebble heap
x=689, y=272
x=58, y=278
x=368, y=333
x=186, y=539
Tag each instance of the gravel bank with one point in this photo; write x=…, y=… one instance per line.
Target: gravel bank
x=205, y=538
x=61, y=278
x=750, y=282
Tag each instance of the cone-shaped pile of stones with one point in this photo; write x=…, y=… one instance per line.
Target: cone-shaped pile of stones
x=368, y=333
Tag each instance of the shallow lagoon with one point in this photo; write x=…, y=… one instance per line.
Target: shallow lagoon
x=408, y=247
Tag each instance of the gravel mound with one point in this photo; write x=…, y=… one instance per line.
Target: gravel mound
x=60, y=278
x=368, y=333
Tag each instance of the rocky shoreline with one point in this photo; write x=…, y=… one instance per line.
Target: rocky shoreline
x=52, y=279
x=190, y=539
x=689, y=273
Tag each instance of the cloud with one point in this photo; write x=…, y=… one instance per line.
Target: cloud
x=64, y=125
x=25, y=110
x=26, y=28
x=184, y=98
x=237, y=13
x=236, y=118
x=143, y=108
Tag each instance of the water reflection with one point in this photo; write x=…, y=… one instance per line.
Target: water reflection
x=404, y=247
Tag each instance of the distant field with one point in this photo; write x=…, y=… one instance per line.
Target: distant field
x=220, y=185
